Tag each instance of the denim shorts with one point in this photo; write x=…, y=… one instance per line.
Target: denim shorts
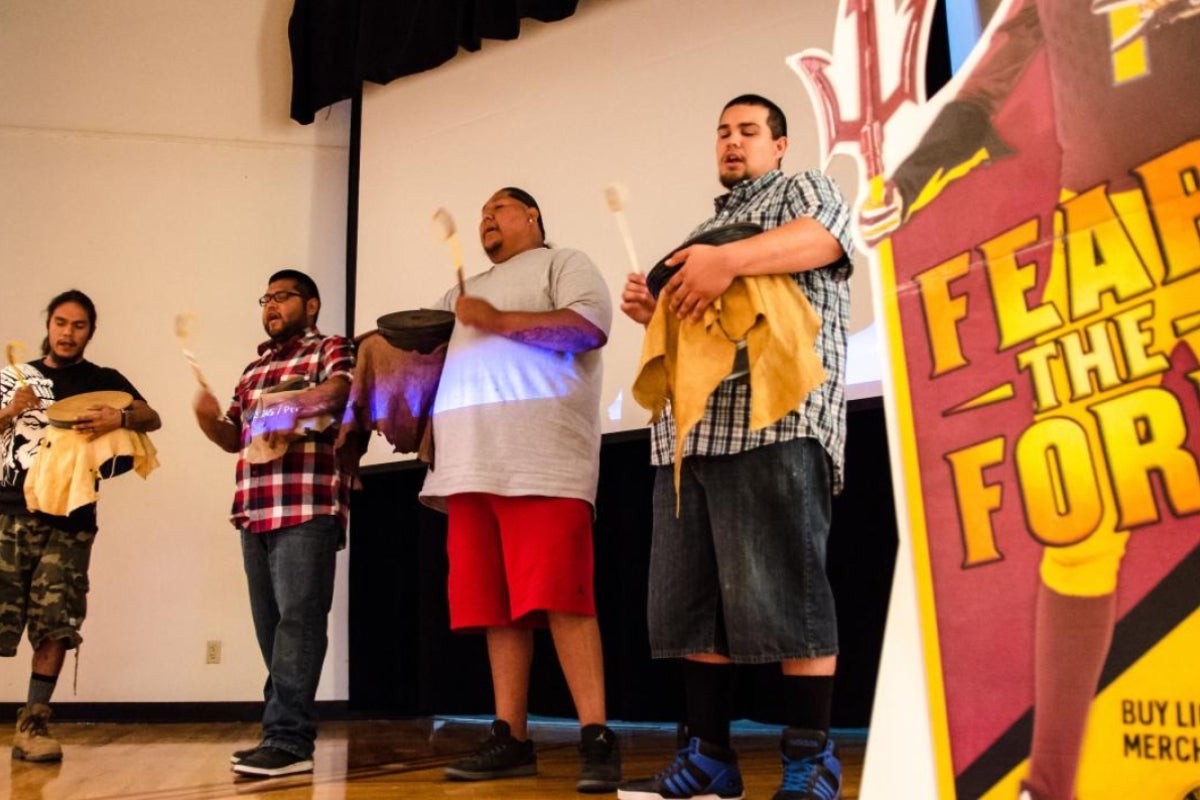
x=741, y=571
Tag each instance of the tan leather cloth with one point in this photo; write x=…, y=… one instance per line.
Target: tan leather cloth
x=684, y=362
x=392, y=393
x=63, y=475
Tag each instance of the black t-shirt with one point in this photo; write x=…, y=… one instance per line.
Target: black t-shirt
x=20, y=442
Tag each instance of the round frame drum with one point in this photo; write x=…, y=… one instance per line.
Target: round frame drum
x=657, y=278
x=421, y=330
x=66, y=412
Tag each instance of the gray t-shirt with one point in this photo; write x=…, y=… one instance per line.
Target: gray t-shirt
x=515, y=419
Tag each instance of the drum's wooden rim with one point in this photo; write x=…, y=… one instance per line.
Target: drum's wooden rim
x=657, y=277
x=416, y=319
x=66, y=412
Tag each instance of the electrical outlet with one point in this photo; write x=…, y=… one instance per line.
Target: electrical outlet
x=212, y=651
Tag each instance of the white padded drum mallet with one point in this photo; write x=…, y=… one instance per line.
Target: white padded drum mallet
x=616, y=196
x=444, y=231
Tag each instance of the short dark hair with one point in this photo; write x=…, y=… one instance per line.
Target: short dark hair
x=776, y=120
x=69, y=296
x=525, y=198
x=306, y=285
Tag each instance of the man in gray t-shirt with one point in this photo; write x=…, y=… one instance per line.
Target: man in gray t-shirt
x=516, y=427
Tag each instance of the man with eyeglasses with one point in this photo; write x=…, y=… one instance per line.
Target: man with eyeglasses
x=292, y=510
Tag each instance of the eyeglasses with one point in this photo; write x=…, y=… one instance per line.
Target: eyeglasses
x=277, y=297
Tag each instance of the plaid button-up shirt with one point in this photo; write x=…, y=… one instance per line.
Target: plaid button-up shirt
x=305, y=482
x=770, y=201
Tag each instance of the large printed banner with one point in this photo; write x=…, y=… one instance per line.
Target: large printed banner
x=1035, y=228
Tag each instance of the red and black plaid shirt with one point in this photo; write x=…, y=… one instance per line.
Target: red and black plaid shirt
x=306, y=481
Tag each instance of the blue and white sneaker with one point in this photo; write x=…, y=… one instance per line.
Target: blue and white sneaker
x=811, y=770
x=700, y=771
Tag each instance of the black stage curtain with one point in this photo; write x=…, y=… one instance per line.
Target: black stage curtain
x=338, y=44
x=405, y=662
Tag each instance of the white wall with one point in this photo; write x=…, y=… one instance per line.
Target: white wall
x=625, y=90
x=147, y=158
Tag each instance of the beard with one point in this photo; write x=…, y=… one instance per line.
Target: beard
x=286, y=331
x=493, y=246
x=732, y=179
x=59, y=361
x=56, y=360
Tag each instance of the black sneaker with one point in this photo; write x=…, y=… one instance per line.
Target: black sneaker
x=238, y=755
x=599, y=760
x=271, y=762
x=700, y=770
x=811, y=769
x=500, y=756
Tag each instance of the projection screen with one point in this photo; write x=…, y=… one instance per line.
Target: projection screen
x=625, y=91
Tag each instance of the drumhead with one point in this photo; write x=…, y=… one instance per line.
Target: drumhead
x=421, y=329
x=66, y=412
x=657, y=278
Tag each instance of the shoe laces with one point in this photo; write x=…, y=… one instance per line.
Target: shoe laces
x=494, y=746
x=36, y=725
x=811, y=776
x=675, y=767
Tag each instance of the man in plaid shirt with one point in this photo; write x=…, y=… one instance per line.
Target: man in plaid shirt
x=738, y=576
x=292, y=510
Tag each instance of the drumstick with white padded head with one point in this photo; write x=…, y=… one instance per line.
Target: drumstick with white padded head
x=444, y=231
x=183, y=325
x=616, y=196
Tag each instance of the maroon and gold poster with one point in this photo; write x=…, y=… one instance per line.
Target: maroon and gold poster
x=1035, y=236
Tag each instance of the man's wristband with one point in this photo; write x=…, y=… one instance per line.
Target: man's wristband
x=125, y=417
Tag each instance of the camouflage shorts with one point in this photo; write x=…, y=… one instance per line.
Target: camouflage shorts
x=43, y=581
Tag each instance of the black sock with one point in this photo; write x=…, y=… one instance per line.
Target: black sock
x=40, y=688
x=709, y=689
x=808, y=700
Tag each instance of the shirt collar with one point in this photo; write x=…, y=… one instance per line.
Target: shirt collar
x=745, y=189
x=41, y=363
x=271, y=345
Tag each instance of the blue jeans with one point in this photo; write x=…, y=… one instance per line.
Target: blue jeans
x=741, y=571
x=290, y=576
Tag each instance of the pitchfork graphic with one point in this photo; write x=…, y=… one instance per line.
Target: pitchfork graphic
x=874, y=110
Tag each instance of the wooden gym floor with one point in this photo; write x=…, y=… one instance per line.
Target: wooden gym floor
x=356, y=760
